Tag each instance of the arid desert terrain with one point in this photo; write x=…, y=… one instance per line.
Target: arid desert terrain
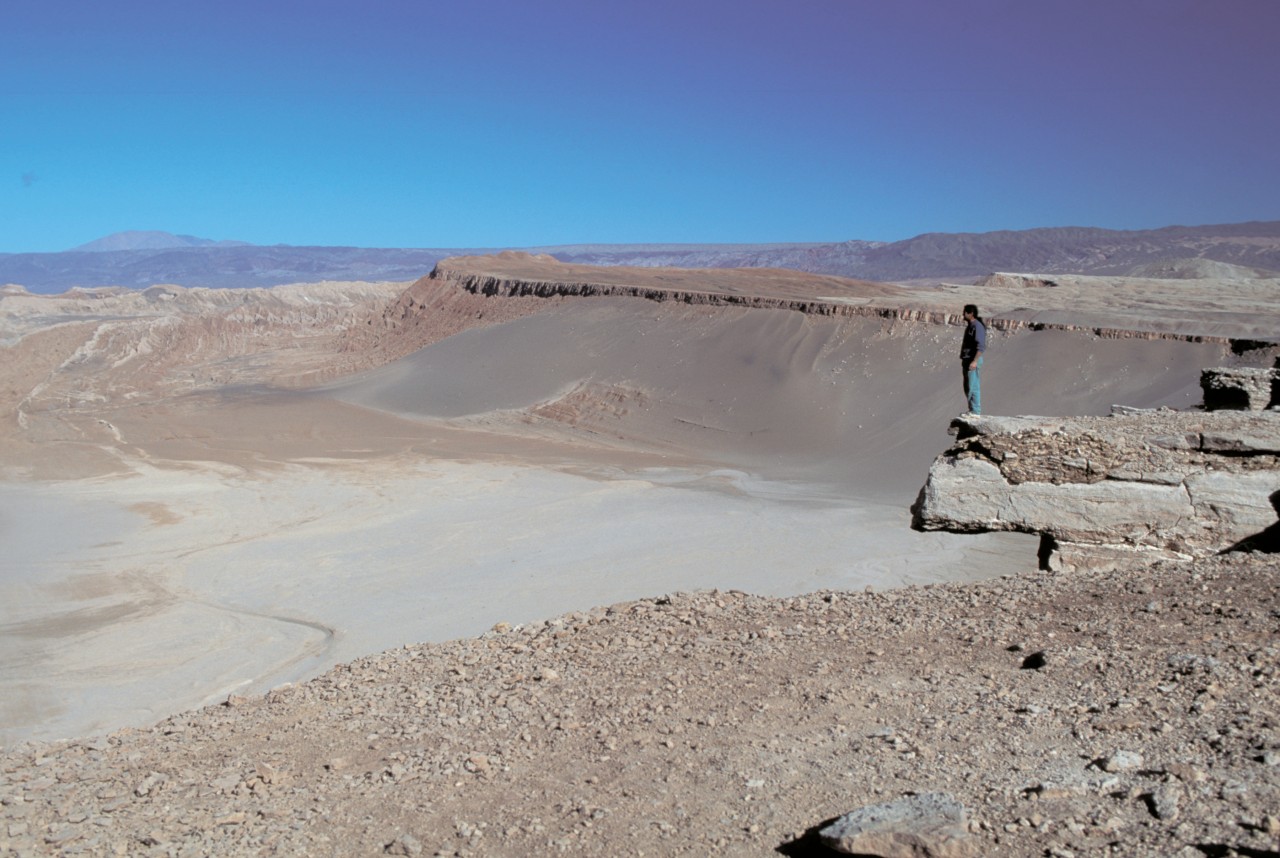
x=528, y=557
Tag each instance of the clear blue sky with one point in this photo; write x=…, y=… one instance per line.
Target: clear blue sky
x=489, y=123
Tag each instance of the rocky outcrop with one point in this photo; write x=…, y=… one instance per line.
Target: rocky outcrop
x=428, y=311
x=1005, y=280
x=1240, y=388
x=1109, y=491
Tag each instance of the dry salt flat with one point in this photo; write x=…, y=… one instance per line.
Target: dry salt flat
x=128, y=599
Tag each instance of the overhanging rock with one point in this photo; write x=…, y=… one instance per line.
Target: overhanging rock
x=1240, y=388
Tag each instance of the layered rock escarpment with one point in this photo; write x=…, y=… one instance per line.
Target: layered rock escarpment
x=1075, y=306
x=1109, y=491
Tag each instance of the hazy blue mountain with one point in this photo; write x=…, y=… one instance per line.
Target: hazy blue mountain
x=150, y=240
x=134, y=260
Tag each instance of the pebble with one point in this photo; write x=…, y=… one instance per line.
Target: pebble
x=1122, y=761
x=1165, y=803
x=405, y=844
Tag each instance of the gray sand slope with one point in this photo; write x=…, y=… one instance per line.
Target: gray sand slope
x=848, y=401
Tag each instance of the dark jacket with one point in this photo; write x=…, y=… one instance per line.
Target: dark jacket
x=975, y=340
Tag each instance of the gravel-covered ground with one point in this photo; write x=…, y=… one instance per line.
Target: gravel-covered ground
x=1127, y=713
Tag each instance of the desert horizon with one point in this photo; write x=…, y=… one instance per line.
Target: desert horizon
x=792, y=420
x=185, y=419
x=214, y=495
x=143, y=258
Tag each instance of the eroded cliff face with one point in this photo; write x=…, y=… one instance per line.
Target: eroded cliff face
x=95, y=345
x=1109, y=491
x=522, y=275
x=434, y=308
x=69, y=364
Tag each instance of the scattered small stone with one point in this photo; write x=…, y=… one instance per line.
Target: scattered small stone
x=1122, y=761
x=62, y=835
x=1035, y=661
x=1233, y=790
x=149, y=783
x=1185, y=772
x=226, y=783
x=1050, y=792
x=932, y=824
x=405, y=844
x=1164, y=802
x=368, y=752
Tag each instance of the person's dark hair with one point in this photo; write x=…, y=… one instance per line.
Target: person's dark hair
x=973, y=308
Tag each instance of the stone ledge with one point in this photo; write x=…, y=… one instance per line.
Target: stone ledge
x=1106, y=492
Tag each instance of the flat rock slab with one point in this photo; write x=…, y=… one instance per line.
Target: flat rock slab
x=928, y=825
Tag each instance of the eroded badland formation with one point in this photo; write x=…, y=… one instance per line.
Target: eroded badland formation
x=1103, y=682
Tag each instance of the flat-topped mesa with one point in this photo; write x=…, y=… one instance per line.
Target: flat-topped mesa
x=513, y=273
x=1105, y=492
x=521, y=275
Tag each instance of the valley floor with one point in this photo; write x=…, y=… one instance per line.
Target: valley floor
x=126, y=599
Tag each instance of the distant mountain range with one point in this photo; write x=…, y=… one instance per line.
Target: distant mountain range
x=150, y=240
x=142, y=259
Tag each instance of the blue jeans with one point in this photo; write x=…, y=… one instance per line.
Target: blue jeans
x=973, y=384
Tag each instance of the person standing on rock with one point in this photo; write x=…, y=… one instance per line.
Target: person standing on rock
x=971, y=349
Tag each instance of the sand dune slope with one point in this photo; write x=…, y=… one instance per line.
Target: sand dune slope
x=858, y=401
